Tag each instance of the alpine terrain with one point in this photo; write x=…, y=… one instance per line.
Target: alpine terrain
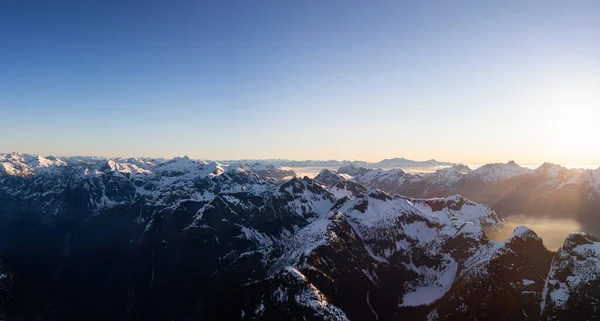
x=86, y=238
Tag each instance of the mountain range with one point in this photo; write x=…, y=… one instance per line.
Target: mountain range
x=140, y=239
x=548, y=191
x=386, y=163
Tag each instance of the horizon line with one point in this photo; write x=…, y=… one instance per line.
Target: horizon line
x=572, y=165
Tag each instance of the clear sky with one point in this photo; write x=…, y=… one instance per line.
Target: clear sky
x=463, y=81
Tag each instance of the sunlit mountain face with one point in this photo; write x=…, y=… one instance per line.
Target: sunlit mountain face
x=85, y=238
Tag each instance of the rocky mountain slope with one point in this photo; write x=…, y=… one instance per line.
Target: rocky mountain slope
x=143, y=239
x=550, y=190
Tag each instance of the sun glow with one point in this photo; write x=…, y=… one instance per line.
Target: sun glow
x=569, y=118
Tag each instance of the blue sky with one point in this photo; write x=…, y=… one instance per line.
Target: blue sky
x=465, y=81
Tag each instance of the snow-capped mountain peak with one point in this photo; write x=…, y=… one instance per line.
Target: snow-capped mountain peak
x=524, y=233
x=551, y=170
x=329, y=177
x=497, y=172
x=18, y=164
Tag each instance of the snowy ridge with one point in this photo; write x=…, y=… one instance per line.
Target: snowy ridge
x=17, y=164
x=387, y=179
x=494, y=173
x=111, y=182
x=384, y=208
x=447, y=177
x=417, y=226
x=303, y=242
x=267, y=172
x=575, y=266
x=590, y=179
x=386, y=163
x=307, y=197
x=479, y=263
x=450, y=176
x=457, y=207
x=341, y=185
x=329, y=177
x=24, y=165
x=411, y=225
x=377, y=213
x=307, y=295
x=550, y=169
x=509, y=187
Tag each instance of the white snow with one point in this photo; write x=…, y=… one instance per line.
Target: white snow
x=312, y=298
x=497, y=172
x=477, y=214
x=422, y=296
x=580, y=263
x=24, y=165
x=303, y=242
x=436, y=283
x=478, y=263
x=253, y=235
x=260, y=308
x=340, y=192
x=421, y=231
x=379, y=176
x=162, y=182
x=385, y=212
x=426, y=230
x=549, y=169
x=446, y=177
x=521, y=230
x=306, y=201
